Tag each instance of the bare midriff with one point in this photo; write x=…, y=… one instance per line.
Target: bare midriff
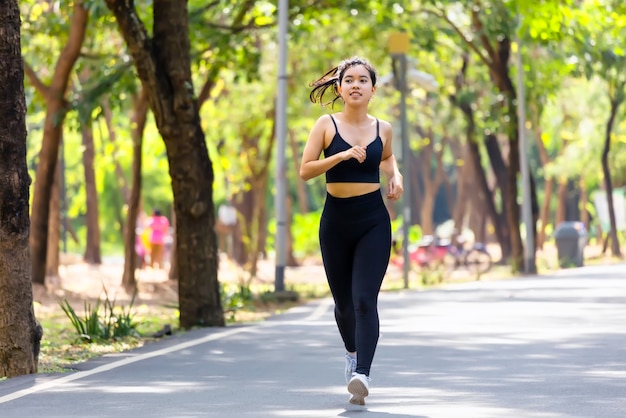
x=351, y=189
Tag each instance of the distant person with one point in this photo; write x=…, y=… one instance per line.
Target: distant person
x=355, y=227
x=159, y=230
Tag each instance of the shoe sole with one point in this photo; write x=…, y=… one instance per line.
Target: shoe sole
x=359, y=391
x=355, y=400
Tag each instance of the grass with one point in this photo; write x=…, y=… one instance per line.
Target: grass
x=62, y=347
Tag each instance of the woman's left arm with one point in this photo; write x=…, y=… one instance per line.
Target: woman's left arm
x=389, y=165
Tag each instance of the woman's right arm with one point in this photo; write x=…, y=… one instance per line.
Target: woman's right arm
x=311, y=165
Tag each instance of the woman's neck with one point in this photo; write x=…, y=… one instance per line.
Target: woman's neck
x=355, y=116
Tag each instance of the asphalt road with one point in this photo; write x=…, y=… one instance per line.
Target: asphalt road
x=551, y=346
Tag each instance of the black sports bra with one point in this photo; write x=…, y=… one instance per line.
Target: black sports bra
x=351, y=171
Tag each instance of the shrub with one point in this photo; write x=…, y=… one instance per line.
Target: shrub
x=115, y=322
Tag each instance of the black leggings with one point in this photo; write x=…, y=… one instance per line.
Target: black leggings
x=355, y=240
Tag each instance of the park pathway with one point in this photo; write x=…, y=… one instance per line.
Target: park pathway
x=551, y=346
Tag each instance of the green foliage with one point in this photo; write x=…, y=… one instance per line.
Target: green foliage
x=89, y=325
x=120, y=319
x=415, y=232
x=235, y=298
x=432, y=276
x=573, y=54
x=304, y=231
x=112, y=323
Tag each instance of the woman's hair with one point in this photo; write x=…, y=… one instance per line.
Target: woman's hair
x=333, y=79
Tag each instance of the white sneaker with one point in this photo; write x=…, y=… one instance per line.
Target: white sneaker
x=350, y=367
x=358, y=388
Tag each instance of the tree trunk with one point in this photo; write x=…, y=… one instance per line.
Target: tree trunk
x=241, y=228
x=417, y=194
x=463, y=185
x=561, y=199
x=572, y=202
x=584, y=201
x=498, y=63
x=249, y=204
x=432, y=177
x=606, y=170
x=53, y=126
x=92, y=249
x=496, y=160
x=510, y=194
x=545, y=210
x=119, y=170
x=484, y=196
x=20, y=333
x=480, y=220
x=544, y=214
x=164, y=67
x=426, y=214
x=54, y=229
x=138, y=124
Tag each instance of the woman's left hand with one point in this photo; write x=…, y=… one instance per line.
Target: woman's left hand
x=395, y=189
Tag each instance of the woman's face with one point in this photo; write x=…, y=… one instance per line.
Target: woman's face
x=356, y=85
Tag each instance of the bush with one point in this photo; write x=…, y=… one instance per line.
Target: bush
x=304, y=229
x=234, y=298
x=115, y=322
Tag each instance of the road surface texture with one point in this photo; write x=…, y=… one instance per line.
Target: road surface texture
x=551, y=346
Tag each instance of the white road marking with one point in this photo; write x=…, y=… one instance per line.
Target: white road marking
x=320, y=311
x=120, y=363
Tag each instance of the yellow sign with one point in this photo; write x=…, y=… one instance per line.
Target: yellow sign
x=399, y=43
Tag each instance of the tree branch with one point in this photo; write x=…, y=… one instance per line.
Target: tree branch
x=39, y=85
x=484, y=40
x=71, y=51
x=205, y=92
x=136, y=37
x=441, y=14
x=197, y=12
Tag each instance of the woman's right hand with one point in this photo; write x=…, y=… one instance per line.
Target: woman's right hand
x=357, y=152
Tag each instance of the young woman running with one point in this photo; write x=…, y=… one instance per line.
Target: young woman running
x=355, y=229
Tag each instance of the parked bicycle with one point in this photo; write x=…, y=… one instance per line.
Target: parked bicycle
x=432, y=252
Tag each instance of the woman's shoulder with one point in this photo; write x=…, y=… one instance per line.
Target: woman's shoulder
x=384, y=125
x=324, y=119
x=328, y=116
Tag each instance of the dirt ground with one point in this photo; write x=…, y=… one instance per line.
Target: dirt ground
x=79, y=282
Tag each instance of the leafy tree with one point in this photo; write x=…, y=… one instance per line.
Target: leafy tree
x=487, y=29
x=545, y=72
x=138, y=118
x=163, y=64
x=56, y=108
x=599, y=31
x=472, y=180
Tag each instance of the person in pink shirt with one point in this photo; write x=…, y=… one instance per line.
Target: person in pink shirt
x=159, y=226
